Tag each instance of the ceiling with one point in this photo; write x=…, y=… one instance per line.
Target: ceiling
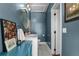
x=39, y=7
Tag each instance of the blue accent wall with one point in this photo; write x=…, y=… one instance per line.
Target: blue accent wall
x=41, y=24
x=48, y=25
x=38, y=24
x=9, y=11
x=70, y=40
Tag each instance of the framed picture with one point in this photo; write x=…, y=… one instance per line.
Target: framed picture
x=9, y=34
x=71, y=11
x=9, y=29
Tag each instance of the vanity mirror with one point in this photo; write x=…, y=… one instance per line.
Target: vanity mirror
x=25, y=17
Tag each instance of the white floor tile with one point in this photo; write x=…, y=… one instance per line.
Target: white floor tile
x=43, y=50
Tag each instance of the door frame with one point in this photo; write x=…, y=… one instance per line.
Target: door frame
x=52, y=34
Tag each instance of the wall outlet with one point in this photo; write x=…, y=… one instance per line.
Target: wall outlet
x=64, y=30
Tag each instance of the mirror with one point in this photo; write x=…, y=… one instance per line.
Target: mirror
x=25, y=18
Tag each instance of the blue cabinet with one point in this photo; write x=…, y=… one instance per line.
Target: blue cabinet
x=24, y=49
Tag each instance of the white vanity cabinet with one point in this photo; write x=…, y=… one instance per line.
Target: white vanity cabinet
x=34, y=39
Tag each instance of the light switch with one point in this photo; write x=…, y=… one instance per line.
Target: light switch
x=64, y=30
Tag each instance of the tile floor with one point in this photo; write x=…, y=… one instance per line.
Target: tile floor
x=44, y=50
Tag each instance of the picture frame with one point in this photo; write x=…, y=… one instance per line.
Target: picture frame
x=71, y=11
x=9, y=34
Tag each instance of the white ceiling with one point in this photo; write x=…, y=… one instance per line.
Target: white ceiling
x=38, y=7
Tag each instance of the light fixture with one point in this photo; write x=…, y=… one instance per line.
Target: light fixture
x=28, y=6
x=29, y=9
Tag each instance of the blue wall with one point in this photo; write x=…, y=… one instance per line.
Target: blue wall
x=38, y=24
x=48, y=25
x=70, y=40
x=0, y=41
x=41, y=24
x=9, y=12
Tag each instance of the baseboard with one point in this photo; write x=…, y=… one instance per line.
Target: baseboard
x=42, y=42
x=55, y=54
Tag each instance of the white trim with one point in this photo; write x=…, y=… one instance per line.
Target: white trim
x=52, y=34
x=61, y=29
x=52, y=10
x=42, y=42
